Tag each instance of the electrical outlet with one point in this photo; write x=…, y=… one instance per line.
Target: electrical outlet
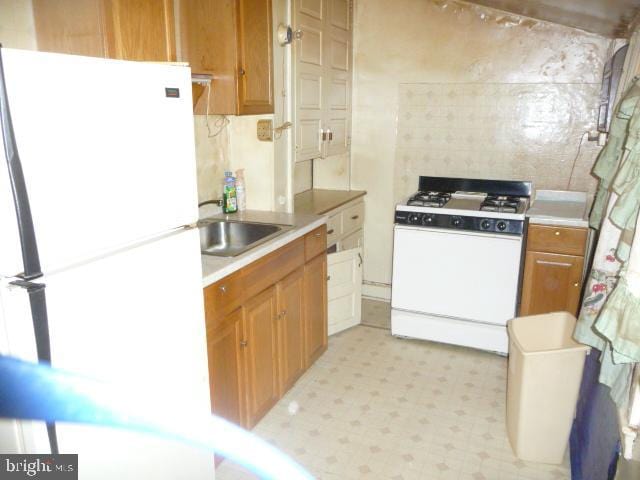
x=265, y=130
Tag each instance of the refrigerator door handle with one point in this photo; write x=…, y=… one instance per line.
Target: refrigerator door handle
x=29, y=246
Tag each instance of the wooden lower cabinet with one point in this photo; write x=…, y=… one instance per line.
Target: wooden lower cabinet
x=266, y=324
x=315, y=305
x=226, y=376
x=552, y=283
x=261, y=355
x=291, y=329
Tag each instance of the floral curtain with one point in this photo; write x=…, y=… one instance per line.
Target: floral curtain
x=610, y=316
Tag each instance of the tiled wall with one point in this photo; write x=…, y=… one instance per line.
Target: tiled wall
x=502, y=131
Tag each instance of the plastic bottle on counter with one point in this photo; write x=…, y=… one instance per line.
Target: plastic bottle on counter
x=229, y=197
x=240, y=190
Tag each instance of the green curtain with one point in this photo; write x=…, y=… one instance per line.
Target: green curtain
x=610, y=314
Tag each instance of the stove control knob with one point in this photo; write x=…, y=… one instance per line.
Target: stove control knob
x=502, y=226
x=485, y=225
x=414, y=218
x=456, y=221
x=428, y=220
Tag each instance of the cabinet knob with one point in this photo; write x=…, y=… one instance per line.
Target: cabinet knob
x=577, y=284
x=329, y=232
x=223, y=289
x=328, y=277
x=557, y=233
x=241, y=71
x=355, y=217
x=243, y=343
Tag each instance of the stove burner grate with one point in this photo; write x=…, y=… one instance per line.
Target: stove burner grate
x=429, y=199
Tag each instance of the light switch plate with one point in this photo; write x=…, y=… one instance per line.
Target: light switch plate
x=265, y=130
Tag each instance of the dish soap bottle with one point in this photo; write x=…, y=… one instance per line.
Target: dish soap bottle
x=240, y=190
x=229, y=199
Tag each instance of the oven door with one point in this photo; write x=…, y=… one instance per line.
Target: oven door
x=465, y=275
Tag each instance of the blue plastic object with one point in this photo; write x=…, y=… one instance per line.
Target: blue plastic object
x=30, y=391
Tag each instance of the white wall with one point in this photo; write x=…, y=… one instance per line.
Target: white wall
x=17, y=27
x=448, y=42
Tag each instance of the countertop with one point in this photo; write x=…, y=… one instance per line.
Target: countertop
x=559, y=208
x=318, y=201
x=215, y=268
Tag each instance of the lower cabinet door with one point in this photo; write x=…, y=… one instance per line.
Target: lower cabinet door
x=345, y=289
x=226, y=379
x=290, y=329
x=552, y=283
x=315, y=308
x=261, y=354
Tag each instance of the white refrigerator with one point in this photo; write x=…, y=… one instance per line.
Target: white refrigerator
x=108, y=160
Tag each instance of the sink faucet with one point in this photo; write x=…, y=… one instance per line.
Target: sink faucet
x=211, y=202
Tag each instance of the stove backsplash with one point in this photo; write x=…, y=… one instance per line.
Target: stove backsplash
x=501, y=131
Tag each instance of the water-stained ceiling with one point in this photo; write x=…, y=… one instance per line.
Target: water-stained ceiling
x=610, y=18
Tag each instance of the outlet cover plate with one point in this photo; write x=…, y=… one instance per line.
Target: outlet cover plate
x=265, y=130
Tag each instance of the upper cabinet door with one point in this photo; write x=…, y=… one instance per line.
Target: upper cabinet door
x=310, y=75
x=123, y=29
x=208, y=42
x=338, y=81
x=323, y=78
x=255, y=77
x=140, y=30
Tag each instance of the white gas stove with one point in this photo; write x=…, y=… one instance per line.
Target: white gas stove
x=458, y=246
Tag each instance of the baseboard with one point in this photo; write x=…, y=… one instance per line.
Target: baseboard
x=376, y=291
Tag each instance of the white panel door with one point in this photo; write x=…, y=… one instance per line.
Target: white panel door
x=338, y=77
x=134, y=319
x=309, y=55
x=107, y=153
x=344, y=289
x=466, y=275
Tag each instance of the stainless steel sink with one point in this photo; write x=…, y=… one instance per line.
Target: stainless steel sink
x=224, y=238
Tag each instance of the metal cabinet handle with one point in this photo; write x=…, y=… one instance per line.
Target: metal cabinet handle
x=329, y=232
x=241, y=71
x=328, y=277
x=243, y=343
x=330, y=135
x=223, y=289
x=577, y=284
x=317, y=235
x=359, y=258
x=284, y=313
x=324, y=135
x=355, y=217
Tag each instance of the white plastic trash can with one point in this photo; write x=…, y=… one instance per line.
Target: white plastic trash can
x=545, y=370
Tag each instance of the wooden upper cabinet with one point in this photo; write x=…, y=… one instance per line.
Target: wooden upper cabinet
x=255, y=75
x=140, y=30
x=231, y=40
x=122, y=29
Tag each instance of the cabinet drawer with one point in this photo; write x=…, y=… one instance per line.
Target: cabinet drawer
x=315, y=242
x=269, y=269
x=221, y=298
x=569, y=241
x=334, y=228
x=353, y=218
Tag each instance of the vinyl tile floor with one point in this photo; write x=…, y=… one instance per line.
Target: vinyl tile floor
x=378, y=407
